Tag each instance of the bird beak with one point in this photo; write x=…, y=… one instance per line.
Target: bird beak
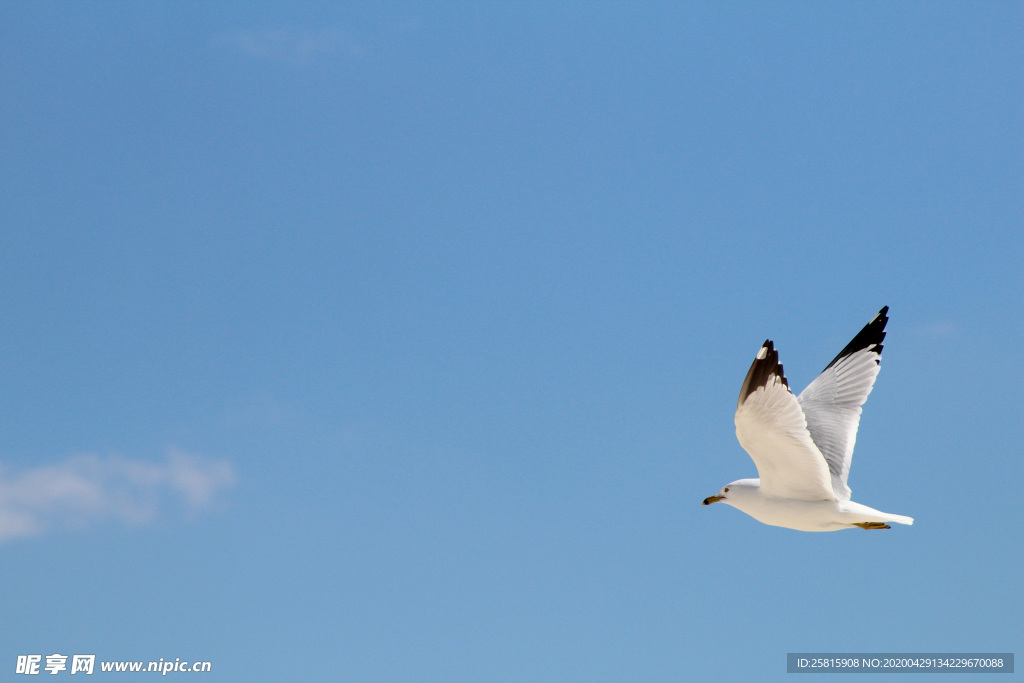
x=712, y=499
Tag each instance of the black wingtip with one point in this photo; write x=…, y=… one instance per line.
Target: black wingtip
x=765, y=366
x=871, y=335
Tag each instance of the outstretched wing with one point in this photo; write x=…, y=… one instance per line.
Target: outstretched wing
x=770, y=426
x=831, y=403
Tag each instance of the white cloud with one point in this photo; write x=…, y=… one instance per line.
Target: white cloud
x=87, y=489
x=940, y=328
x=296, y=47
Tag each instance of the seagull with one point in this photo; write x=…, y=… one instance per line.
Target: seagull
x=802, y=445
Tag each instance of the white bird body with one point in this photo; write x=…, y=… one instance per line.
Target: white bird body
x=803, y=446
x=803, y=515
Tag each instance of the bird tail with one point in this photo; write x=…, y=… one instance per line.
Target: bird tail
x=899, y=519
x=866, y=514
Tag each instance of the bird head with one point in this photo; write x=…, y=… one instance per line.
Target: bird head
x=730, y=492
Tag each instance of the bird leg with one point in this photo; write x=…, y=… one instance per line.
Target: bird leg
x=872, y=525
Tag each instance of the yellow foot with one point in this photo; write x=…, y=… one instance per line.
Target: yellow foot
x=872, y=525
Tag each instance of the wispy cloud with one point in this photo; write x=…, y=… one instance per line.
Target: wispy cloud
x=296, y=47
x=262, y=410
x=84, y=490
x=941, y=329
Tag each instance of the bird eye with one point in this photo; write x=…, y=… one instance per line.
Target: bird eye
x=725, y=490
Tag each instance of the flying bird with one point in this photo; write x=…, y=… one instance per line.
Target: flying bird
x=802, y=445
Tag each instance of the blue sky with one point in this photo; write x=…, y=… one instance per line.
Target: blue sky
x=401, y=341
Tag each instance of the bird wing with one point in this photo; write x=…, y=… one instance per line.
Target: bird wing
x=771, y=427
x=831, y=403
